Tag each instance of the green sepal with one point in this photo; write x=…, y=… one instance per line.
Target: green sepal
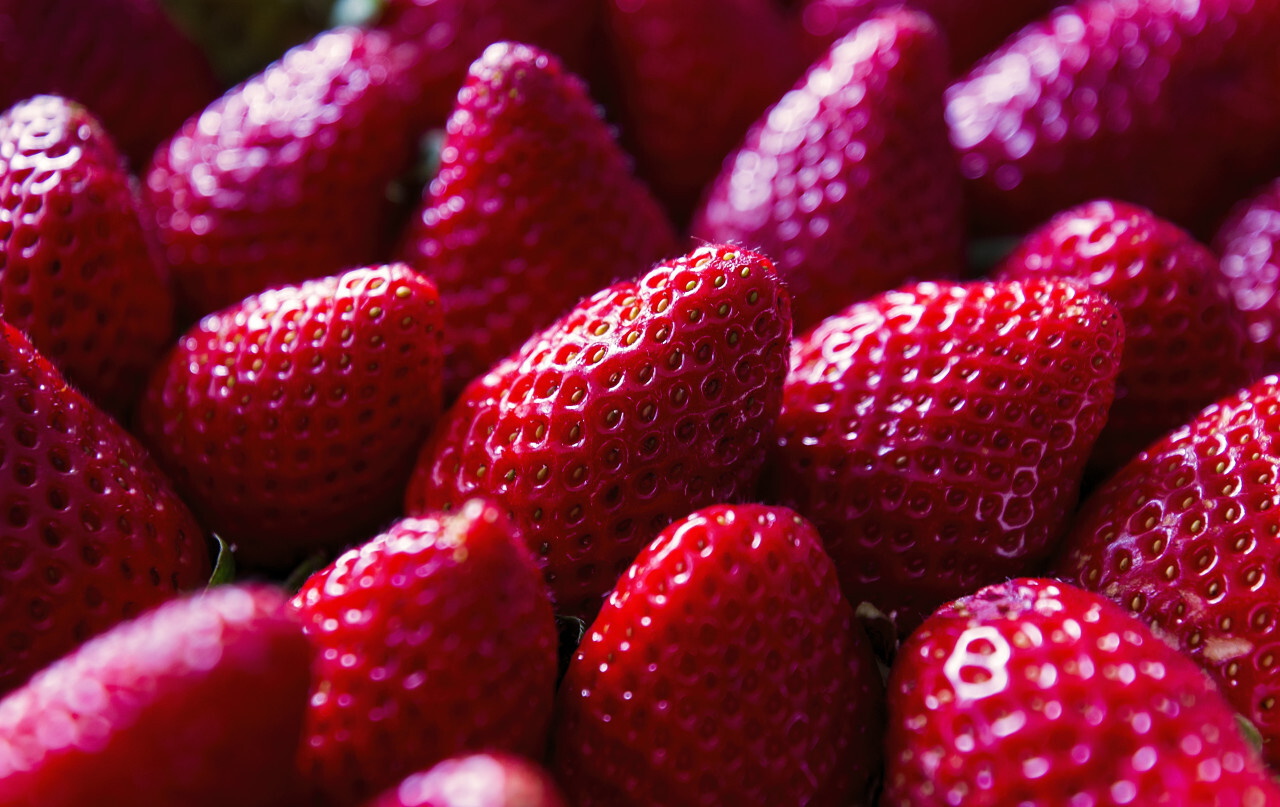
x=224, y=569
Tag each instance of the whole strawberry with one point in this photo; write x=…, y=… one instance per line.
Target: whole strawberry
x=291, y=421
x=534, y=208
x=198, y=703
x=1250, y=266
x=91, y=533
x=725, y=668
x=648, y=400
x=434, y=638
x=479, y=780
x=848, y=182
x=1039, y=694
x=76, y=273
x=936, y=436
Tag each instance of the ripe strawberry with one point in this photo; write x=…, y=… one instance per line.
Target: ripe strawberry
x=479, y=780
x=725, y=668
x=534, y=207
x=291, y=421
x=848, y=182
x=90, y=531
x=1184, y=343
x=199, y=702
x=648, y=400
x=936, y=436
x=1174, y=106
x=1250, y=266
x=76, y=273
x=1039, y=694
x=432, y=639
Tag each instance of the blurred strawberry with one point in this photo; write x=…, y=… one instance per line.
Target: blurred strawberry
x=479, y=780
x=1250, y=266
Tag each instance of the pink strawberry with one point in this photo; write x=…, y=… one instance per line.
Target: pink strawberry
x=479, y=780
x=1250, y=266
x=91, y=533
x=534, y=207
x=432, y=639
x=1039, y=694
x=196, y=704
x=936, y=436
x=725, y=668
x=648, y=400
x=291, y=421
x=848, y=182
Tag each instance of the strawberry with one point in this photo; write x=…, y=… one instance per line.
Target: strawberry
x=936, y=436
x=1173, y=106
x=848, y=182
x=1184, y=344
x=534, y=207
x=199, y=702
x=76, y=272
x=434, y=638
x=725, y=668
x=291, y=421
x=91, y=533
x=1038, y=694
x=1250, y=266
x=479, y=780
x=648, y=400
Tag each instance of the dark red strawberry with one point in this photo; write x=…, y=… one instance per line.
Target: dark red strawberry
x=90, y=532
x=648, y=400
x=936, y=436
x=291, y=421
x=848, y=182
x=534, y=208
x=1185, y=346
x=199, y=703
x=433, y=639
x=479, y=780
x=76, y=273
x=725, y=668
x=1250, y=266
x=1039, y=694
x=1174, y=106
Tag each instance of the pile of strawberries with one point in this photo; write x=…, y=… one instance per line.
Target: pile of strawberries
x=577, y=403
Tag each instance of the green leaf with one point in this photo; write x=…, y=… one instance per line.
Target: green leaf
x=224, y=570
x=363, y=13
x=298, y=577
x=1250, y=732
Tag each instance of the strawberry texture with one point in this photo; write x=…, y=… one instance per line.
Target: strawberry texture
x=477, y=780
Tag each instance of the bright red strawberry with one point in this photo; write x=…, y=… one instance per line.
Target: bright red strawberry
x=291, y=421
x=197, y=703
x=1184, y=343
x=848, y=182
x=936, y=436
x=1248, y=243
x=534, y=208
x=480, y=780
x=1039, y=694
x=648, y=400
x=1174, y=106
x=90, y=532
x=76, y=273
x=725, y=668
x=433, y=639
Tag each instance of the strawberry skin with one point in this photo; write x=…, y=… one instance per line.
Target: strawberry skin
x=434, y=638
x=1250, y=266
x=936, y=436
x=1185, y=346
x=534, y=207
x=1038, y=694
x=91, y=532
x=76, y=272
x=648, y=400
x=291, y=421
x=848, y=181
x=725, y=668
x=479, y=780
x=198, y=703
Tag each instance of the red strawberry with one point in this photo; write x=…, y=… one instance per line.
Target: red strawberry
x=534, y=207
x=936, y=436
x=1174, y=106
x=480, y=780
x=76, y=273
x=1184, y=344
x=432, y=639
x=848, y=182
x=197, y=703
x=1039, y=694
x=90, y=531
x=1185, y=537
x=291, y=421
x=648, y=400
x=726, y=668
x=1250, y=266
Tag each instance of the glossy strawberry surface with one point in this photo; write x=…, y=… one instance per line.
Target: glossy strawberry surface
x=479, y=780
x=1250, y=265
